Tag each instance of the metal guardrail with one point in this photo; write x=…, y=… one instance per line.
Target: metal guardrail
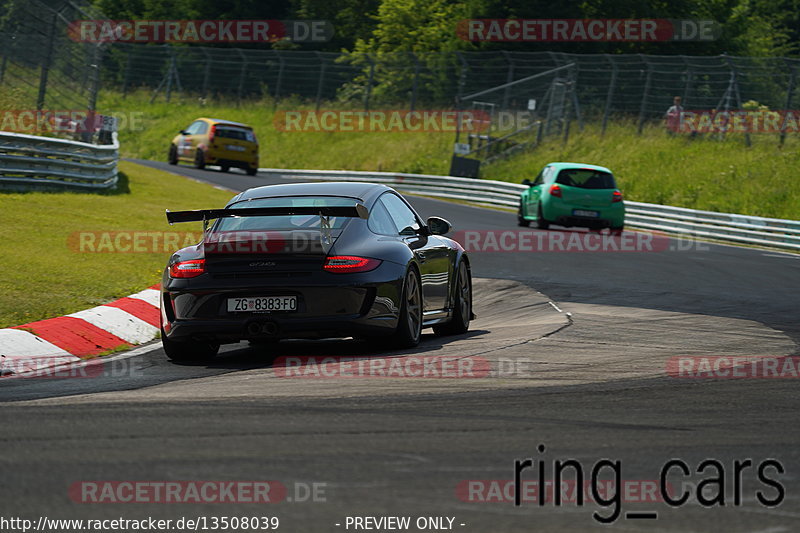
x=730, y=227
x=32, y=162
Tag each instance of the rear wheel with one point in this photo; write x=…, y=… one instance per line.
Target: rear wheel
x=409, y=324
x=521, y=221
x=224, y=168
x=188, y=350
x=199, y=159
x=541, y=223
x=462, y=306
x=173, y=155
x=251, y=171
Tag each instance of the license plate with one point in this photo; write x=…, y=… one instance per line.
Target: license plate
x=262, y=304
x=585, y=213
x=235, y=148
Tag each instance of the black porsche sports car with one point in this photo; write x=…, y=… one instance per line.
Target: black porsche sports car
x=313, y=260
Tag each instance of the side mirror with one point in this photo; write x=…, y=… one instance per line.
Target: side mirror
x=527, y=182
x=439, y=226
x=183, y=132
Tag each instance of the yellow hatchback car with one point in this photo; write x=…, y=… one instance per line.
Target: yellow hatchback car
x=210, y=141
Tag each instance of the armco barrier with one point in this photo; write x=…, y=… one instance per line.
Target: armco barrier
x=34, y=162
x=731, y=227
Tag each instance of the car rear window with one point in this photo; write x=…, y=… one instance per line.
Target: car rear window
x=288, y=222
x=586, y=178
x=235, y=133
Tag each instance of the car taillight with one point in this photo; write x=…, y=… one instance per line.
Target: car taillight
x=555, y=190
x=350, y=263
x=212, y=132
x=616, y=197
x=187, y=269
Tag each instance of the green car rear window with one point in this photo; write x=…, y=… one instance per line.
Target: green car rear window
x=586, y=178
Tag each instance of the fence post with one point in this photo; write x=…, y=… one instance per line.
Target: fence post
x=643, y=108
x=462, y=76
x=689, y=80
x=126, y=78
x=321, y=82
x=735, y=74
x=610, y=95
x=170, y=71
x=279, y=83
x=48, y=58
x=415, y=82
x=4, y=62
x=789, y=96
x=509, y=78
x=241, y=77
x=94, y=88
x=368, y=91
x=206, y=71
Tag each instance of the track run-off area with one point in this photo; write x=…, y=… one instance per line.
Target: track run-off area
x=574, y=355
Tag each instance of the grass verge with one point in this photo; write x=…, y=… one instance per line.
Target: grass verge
x=44, y=273
x=654, y=167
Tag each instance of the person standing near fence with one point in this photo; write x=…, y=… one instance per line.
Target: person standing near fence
x=673, y=116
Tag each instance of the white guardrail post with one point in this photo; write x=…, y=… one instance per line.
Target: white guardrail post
x=29, y=162
x=744, y=229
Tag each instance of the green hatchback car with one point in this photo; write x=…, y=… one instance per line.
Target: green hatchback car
x=573, y=194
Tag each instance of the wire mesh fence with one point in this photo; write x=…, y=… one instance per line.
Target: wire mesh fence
x=42, y=67
x=43, y=70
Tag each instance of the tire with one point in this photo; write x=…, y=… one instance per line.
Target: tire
x=172, y=158
x=199, y=159
x=251, y=171
x=188, y=350
x=617, y=230
x=409, y=323
x=541, y=223
x=224, y=168
x=462, y=306
x=521, y=221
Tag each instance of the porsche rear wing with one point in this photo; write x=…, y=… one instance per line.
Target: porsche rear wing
x=355, y=211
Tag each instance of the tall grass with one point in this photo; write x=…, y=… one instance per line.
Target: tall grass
x=700, y=173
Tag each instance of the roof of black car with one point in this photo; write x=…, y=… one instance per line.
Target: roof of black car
x=363, y=191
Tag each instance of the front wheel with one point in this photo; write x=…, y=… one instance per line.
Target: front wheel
x=199, y=159
x=462, y=306
x=224, y=168
x=617, y=230
x=409, y=323
x=541, y=223
x=188, y=350
x=251, y=171
x=172, y=158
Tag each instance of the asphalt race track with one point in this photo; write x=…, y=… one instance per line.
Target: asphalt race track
x=578, y=347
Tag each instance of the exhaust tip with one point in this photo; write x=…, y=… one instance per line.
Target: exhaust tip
x=256, y=329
